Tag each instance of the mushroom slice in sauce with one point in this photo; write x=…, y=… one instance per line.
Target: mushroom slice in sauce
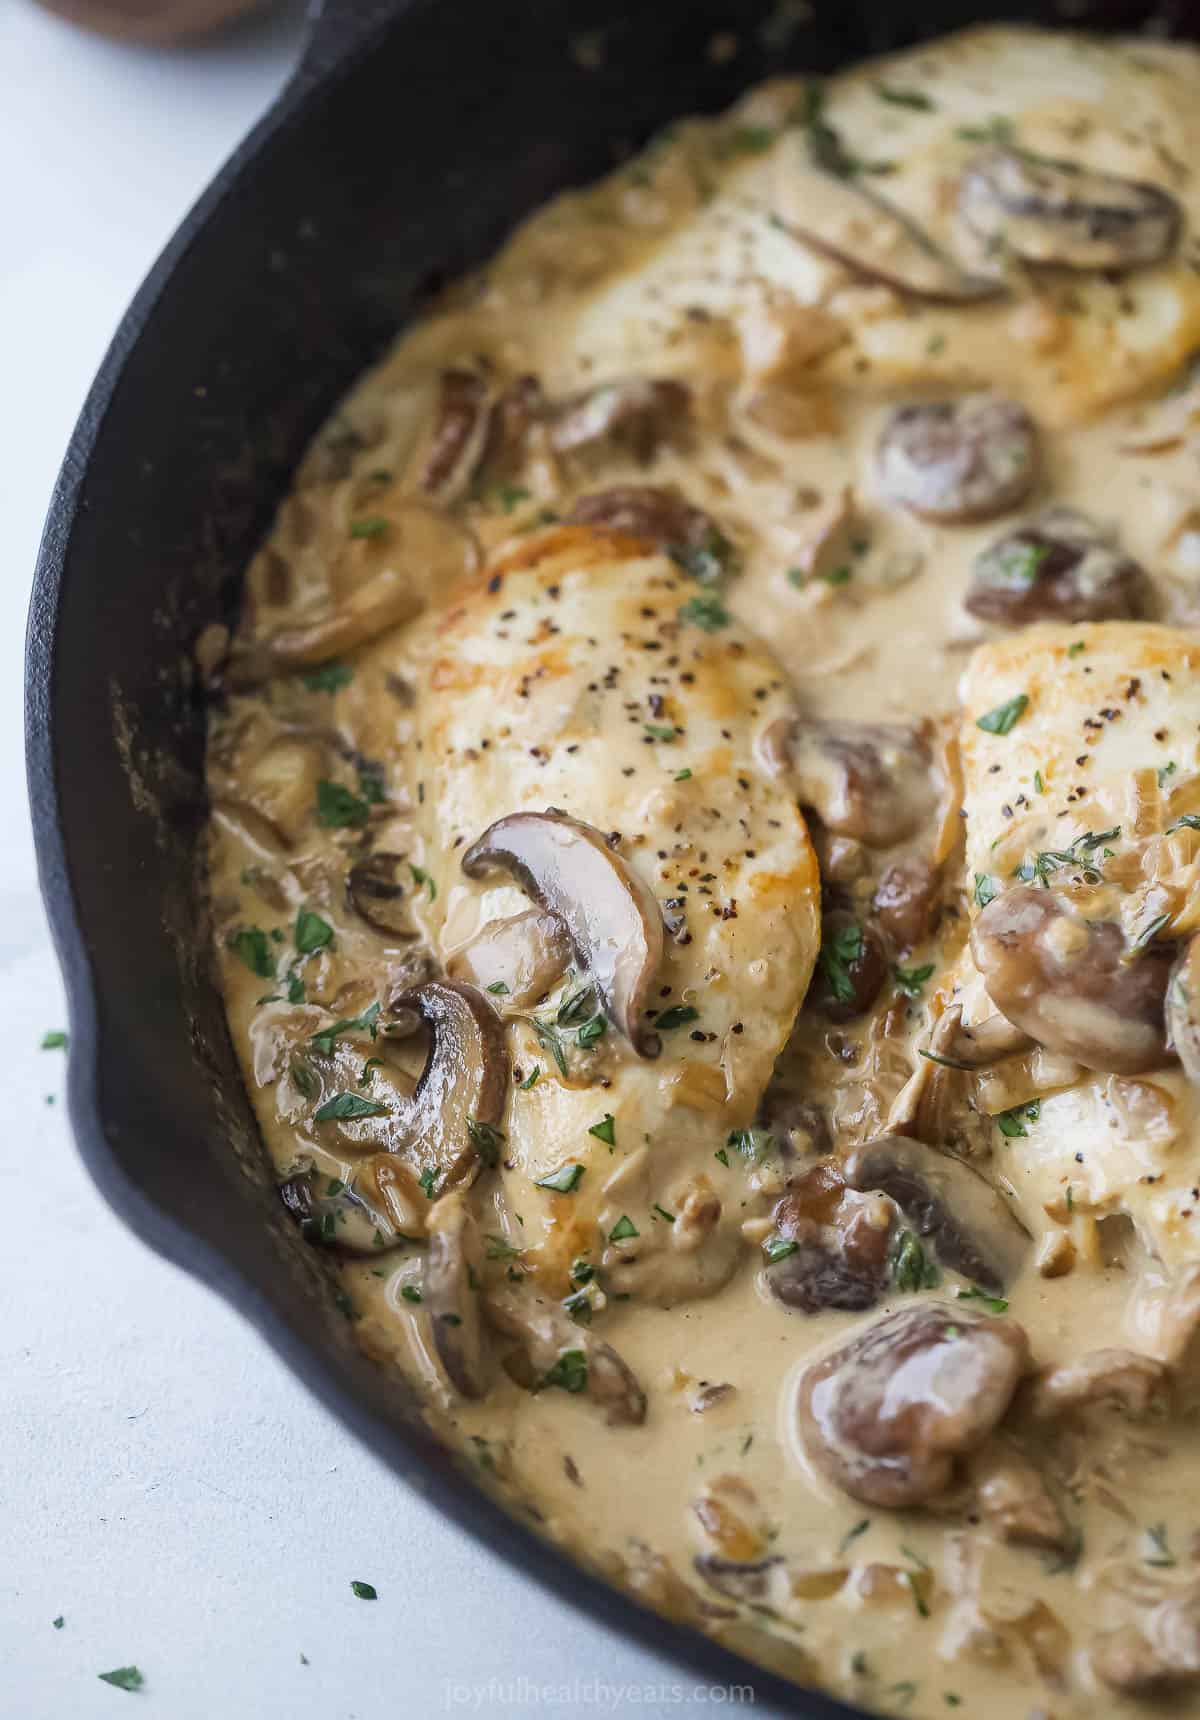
x=458, y=436
x=739, y=1579
x=832, y=212
x=450, y=1293
x=1125, y=1379
x=838, y=1256
x=517, y=960
x=885, y=1416
x=1157, y=1655
x=378, y=895
x=334, y=1214
x=870, y=781
x=956, y=462
x=659, y=515
x=610, y=916
x=559, y=1350
x=1183, y=1009
x=1072, y=984
x=907, y=901
x=1055, y=212
x=464, y=1082
x=1013, y=1499
x=945, y=1201
x=1059, y=567
x=637, y=411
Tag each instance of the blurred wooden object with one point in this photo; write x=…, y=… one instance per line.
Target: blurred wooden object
x=156, y=21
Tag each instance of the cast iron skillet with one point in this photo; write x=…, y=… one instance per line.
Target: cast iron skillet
x=412, y=138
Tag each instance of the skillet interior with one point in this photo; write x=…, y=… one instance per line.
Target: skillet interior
x=377, y=175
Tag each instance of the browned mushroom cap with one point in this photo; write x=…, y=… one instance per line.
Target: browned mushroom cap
x=828, y=1251
x=872, y=781
x=450, y=1293
x=637, y=411
x=828, y=208
x=907, y=900
x=660, y=516
x=458, y=435
x=1183, y=1009
x=955, y=462
x=1072, y=984
x=1157, y=1655
x=560, y=1352
x=378, y=895
x=463, y=1088
x=852, y=968
x=1060, y=567
x=1055, y=212
x=518, y=960
x=332, y=1213
x=1014, y=1500
x=945, y=1201
x=886, y=1415
x=609, y=914
x=1124, y=1379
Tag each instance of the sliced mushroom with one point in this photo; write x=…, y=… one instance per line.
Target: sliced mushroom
x=464, y=1082
x=979, y=1044
x=557, y=1349
x=1124, y=1379
x=450, y=1293
x=660, y=516
x=956, y=462
x=1055, y=212
x=1183, y=1009
x=458, y=435
x=832, y=211
x=517, y=960
x=885, y=1416
x=1072, y=984
x=834, y=1251
x=1157, y=1655
x=334, y=1214
x=1014, y=1500
x=1060, y=567
x=610, y=916
x=852, y=968
x=871, y=781
x=739, y=1579
x=636, y=412
x=970, y=1227
x=378, y=895
x=907, y=901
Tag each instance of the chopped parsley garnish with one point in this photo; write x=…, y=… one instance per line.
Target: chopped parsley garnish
x=838, y=575
x=304, y=1080
x=1189, y=821
x=499, y=1248
x=911, y=981
x=1148, y=933
x=912, y=1581
x=1017, y=563
x=510, y=496
x=421, y=879
x=295, y=988
x=683, y=775
x=338, y=809
x=945, y=1062
x=705, y=611
x=661, y=731
x=1165, y=771
x=623, y=1229
x=123, y=1677
x=565, y=1180
x=677, y=1016
x=905, y=98
x=1162, y=1557
x=428, y=1182
x=486, y=1140
x=328, y=678
x=709, y=560
x=498, y=988
x=550, y=1041
x=569, y=1371
x=1077, y=648
x=1039, y=785
x=985, y=889
x=748, y=140
x=312, y=932
x=999, y=129
x=753, y=1144
x=54, y=1039
x=346, y=1107
x=593, y=1029
x=370, y=786
x=1012, y=1123
x=365, y=1591
x=911, y=1269
x=723, y=1156
x=578, y=1306
x=1004, y=718
x=779, y=1247
x=364, y=1023
x=657, y=1211
x=410, y=1293
x=605, y=1130
x=852, y=1535
x=840, y=948
x=252, y=946
x=993, y=1304
x=370, y=526
x=532, y=1079
x=576, y=1006
x=58, y=1622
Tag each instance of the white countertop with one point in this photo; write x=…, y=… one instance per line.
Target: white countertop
x=167, y=1488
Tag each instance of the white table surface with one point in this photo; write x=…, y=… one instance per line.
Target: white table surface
x=165, y=1485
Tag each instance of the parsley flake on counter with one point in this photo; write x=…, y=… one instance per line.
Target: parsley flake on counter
x=605, y=1130
x=312, y=932
x=370, y=526
x=623, y=1229
x=123, y=1677
x=347, y=1107
x=54, y=1039
x=338, y=808
x=252, y=946
x=705, y=611
x=58, y=1622
x=565, y=1180
x=678, y=1016
x=328, y=678
x=365, y=1591
x=911, y=981
x=1004, y=718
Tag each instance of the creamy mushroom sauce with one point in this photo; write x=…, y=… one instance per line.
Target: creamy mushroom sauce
x=667, y=524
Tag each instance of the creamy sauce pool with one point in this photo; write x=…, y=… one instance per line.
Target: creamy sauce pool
x=445, y=627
